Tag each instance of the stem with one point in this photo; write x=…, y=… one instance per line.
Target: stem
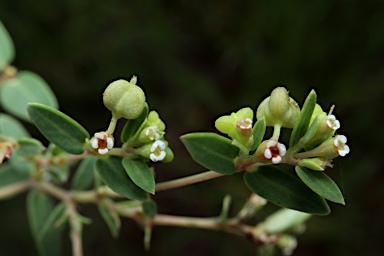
x=187, y=180
x=112, y=124
x=202, y=223
x=76, y=230
x=276, y=132
x=14, y=189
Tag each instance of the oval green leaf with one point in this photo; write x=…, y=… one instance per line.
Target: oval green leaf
x=212, y=151
x=7, y=52
x=49, y=237
x=258, y=132
x=25, y=88
x=113, y=174
x=39, y=206
x=320, y=183
x=285, y=190
x=302, y=124
x=140, y=174
x=58, y=128
x=9, y=126
x=133, y=126
x=29, y=147
x=84, y=176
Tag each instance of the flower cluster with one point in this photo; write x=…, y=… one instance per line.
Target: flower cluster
x=315, y=149
x=150, y=142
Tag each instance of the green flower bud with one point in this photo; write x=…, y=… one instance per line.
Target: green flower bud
x=322, y=127
x=154, y=120
x=279, y=109
x=238, y=125
x=317, y=164
x=124, y=99
x=148, y=135
x=329, y=149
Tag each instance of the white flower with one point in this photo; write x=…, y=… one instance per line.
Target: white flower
x=157, y=151
x=339, y=142
x=153, y=132
x=102, y=142
x=275, y=151
x=245, y=123
x=332, y=122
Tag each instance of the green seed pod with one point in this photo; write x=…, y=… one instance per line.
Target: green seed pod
x=124, y=99
x=279, y=109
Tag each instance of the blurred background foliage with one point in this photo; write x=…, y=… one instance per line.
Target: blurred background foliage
x=197, y=60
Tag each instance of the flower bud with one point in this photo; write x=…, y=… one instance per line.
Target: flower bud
x=322, y=127
x=279, y=109
x=148, y=135
x=124, y=99
x=238, y=125
x=317, y=164
x=329, y=149
x=154, y=120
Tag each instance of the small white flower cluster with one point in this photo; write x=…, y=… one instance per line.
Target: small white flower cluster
x=340, y=140
x=340, y=143
x=275, y=151
x=158, y=147
x=102, y=142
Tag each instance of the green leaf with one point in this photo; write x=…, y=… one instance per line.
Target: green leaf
x=8, y=175
x=113, y=174
x=49, y=237
x=302, y=124
x=285, y=190
x=84, y=176
x=284, y=220
x=111, y=218
x=140, y=174
x=149, y=208
x=7, y=52
x=39, y=206
x=58, y=128
x=134, y=126
x=258, y=132
x=9, y=126
x=29, y=147
x=320, y=183
x=25, y=88
x=212, y=151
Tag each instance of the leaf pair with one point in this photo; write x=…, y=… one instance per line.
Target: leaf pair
x=287, y=191
x=129, y=178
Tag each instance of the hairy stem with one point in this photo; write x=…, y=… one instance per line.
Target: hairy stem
x=187, y=180
x=76, y=230
x=14, y=189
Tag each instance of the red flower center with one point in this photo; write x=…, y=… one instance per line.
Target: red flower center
x=275, y=151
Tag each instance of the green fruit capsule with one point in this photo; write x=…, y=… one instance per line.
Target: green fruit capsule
x=124, y=99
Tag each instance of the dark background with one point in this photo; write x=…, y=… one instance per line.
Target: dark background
x=198, y=60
